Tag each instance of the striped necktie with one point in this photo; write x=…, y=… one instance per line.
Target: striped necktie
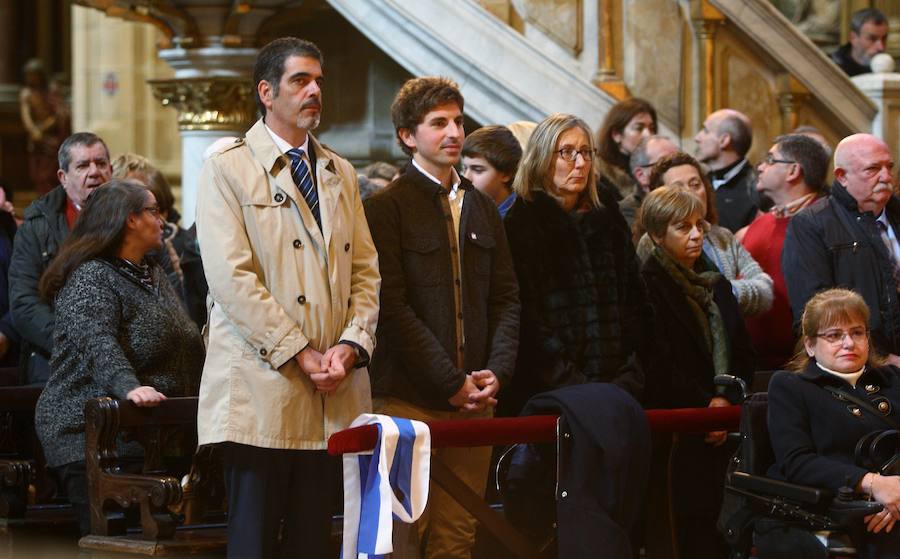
x=895, y=267
x=303, y=180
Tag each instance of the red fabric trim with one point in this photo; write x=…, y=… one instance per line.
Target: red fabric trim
x=535, y=429
x=71, y=213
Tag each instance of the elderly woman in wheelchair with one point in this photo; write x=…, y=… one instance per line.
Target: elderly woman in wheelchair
x=833, y=420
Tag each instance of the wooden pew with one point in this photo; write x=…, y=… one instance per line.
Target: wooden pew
x=154, y=493
x=20, y=460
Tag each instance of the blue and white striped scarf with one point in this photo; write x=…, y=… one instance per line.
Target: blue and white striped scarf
x=391, y=481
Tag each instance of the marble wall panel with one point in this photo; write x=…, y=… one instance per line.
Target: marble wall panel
x=653, y=55
x=748, y=88
x=112, y=60
x=561, y=20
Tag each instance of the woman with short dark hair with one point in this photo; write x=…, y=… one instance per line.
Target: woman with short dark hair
x=699, y=334
x=120, y=329
x=753, y=288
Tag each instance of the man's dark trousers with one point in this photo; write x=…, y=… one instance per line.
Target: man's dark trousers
x=280, y=502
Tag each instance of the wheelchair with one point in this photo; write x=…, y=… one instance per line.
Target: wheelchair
x=754, y=500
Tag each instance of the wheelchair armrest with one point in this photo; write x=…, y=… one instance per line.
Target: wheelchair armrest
x=774, y=487
x=846, y=513
x=734, y=383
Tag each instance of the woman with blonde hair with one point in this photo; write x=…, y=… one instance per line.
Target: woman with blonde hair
x=583, y=304
x=815, y=424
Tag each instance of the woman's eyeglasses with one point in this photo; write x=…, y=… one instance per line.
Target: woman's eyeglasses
x=569, y=154
x=154, y=210
x=858, y=335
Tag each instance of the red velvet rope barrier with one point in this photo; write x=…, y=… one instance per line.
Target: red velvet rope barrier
x=535, y=429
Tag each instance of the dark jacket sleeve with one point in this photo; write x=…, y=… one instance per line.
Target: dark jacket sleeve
x=637, y=317
x=90, y=316
x=410, y=338
x=7, y=234
x=805, y=262
x=502, y=307
x=164, y=259
x=790, y=431
x=742, y=356
x=675, y=379
x=32, y=316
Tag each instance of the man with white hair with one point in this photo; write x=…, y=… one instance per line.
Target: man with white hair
x=850, y=239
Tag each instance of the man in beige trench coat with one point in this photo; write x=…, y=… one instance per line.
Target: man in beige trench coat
x=293, y=282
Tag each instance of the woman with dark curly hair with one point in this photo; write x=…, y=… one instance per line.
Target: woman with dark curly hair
x=120, y=331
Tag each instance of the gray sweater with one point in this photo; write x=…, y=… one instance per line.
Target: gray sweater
x=112, y=335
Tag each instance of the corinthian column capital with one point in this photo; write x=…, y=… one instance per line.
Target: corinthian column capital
x=220, y=103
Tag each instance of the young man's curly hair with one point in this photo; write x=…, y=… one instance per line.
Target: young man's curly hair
x=416, y=98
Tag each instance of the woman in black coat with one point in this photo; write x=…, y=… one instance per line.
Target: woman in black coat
x=583, y=303
x=814, y=434
x=699, y=334
x=699, y=329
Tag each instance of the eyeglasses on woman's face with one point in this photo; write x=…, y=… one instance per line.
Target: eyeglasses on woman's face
x=836, y=336
x=570, y=154
x=153, y=210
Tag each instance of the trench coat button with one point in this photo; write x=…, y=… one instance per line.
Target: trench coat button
x=279, y=197
x=298, y=243
x=301, y=299
x=263, y=352
x=883, y=407
x=564, y=494
x=871, y=388
x=347, y=247
x=856, y=412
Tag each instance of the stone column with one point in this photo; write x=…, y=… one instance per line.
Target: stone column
x=707, y=21
x=213, y=95
x=883, y=88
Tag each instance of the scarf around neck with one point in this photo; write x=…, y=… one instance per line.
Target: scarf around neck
x=697, y=287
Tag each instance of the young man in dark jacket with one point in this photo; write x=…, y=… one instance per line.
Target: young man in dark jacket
x=448, y=329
